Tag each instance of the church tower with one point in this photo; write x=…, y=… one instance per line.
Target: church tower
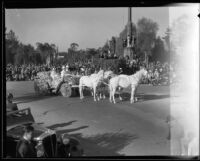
x=128, y=49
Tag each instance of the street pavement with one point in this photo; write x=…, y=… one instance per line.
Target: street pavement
x=103, y=128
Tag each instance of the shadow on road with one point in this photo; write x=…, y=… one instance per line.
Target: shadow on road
x=153, y=97
x=65, y=131
x=30, y=98
x=143, y=97
x=61, y=125
x=107, y=144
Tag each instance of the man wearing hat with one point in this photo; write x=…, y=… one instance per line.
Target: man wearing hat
x=26, y=145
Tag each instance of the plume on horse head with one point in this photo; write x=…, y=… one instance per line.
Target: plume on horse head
x=101, y=73
x=143, y=71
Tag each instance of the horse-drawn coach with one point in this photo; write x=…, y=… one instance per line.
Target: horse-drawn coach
x=47, y=83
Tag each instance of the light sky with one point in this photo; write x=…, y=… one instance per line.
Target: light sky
x=89, y=27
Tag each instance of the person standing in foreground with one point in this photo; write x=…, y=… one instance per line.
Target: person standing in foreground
x=26, y=145
x=10, y=106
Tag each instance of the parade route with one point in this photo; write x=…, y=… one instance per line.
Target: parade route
x=103, y=128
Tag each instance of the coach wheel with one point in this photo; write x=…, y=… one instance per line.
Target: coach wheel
x=66, y=90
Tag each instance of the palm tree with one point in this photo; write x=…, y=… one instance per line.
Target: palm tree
x=47, y=51
x=74, y=46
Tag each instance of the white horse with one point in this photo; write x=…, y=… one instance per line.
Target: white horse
x=91, y=82
x=107, y=75
x=125, y=81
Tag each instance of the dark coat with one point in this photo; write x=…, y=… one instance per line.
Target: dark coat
x=26, y=149
x=11, y=107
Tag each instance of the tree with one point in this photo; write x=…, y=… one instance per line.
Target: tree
x=166, y=39
x=19, y=56
x=180, y=31
x=167, y=43
x=42, y=50
x=37, y=58
x=25, y=54
x=146, y=35
x=91, y=52
x=47, y=51
x=12, y=44
x=74, y=46
x=105, y=47
x=159, y=52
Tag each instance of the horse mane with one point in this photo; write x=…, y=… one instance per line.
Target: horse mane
x=100, y=71
x=137, y=75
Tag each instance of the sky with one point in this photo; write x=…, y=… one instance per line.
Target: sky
x=89, y=27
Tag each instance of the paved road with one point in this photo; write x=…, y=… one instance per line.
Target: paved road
x=103, y=128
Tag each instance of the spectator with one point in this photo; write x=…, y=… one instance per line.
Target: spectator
x=150, y=77
x=156, y=77
x=10, y=106
x=120, y=71
x=26, y=145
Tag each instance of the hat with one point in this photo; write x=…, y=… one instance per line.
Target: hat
x=28, y=128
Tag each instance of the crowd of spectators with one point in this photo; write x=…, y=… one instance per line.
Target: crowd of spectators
x=108, y=55
x=24, y=72
x=29, y=72
x=158, y=73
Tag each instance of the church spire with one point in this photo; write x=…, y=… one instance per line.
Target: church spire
x=129, y=32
